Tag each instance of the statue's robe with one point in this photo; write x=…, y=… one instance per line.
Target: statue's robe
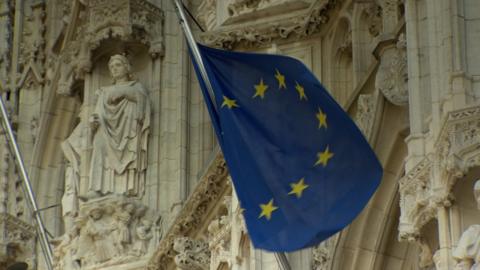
x=119, y=155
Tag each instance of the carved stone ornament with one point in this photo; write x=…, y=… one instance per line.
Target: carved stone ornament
x=209, y=191
x=6, y=36
x=392, y=74
x=94, y=21
x=192, y=254
x=322, y=254
x=373, y=13
x=459, y=141
x=219, y=236
x=108, y=231
x=32, y=48
x=236, y=8
x=207, y=13
x=416, y=208
x=457, y=149
x=17, y=242
x=366, y=110
x=238, y=28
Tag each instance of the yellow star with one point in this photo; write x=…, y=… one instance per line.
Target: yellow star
x=260, y=89
x=301, y=91
x=297, y=188
x=322, y=118
x=281, y=79
x=323, y=157
x=230, y=103
x=267, y=210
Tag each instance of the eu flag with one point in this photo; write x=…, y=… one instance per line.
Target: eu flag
x=301, y=168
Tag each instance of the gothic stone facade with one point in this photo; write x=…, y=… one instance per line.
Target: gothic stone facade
x=156, y=194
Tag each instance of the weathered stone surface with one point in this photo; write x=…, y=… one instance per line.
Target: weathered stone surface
x=156, y=194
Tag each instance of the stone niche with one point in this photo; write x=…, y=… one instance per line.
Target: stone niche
x=107, y=224
x=91, y=23
x=110, y=232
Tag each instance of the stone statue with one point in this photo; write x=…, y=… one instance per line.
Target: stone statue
x=72, y=149
x=467, y=252
x=120, y=127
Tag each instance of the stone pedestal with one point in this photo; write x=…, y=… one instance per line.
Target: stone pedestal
x=110, y=232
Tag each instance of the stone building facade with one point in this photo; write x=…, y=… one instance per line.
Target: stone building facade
x=123, y=159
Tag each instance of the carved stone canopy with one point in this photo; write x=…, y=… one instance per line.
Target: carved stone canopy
x=92, y=22
x=136, y=20
x=429, y=184
x=254, y=22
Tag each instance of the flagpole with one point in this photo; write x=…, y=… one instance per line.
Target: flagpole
x=194, y=48
x=280, y=256
x=47, y=249
x=282, y=260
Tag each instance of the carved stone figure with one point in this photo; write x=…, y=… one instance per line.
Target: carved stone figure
x=143, y=235
x=121, y=125
x=123, y=220
x=467, y=252
x=96, y=243
x=366, y=112
x=72, y=148
x=66, y=250
x=108, y=231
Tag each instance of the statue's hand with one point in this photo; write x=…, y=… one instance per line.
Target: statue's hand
x=94, y=121
x=115, y=98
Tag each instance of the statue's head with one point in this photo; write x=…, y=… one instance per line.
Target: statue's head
x=119, y=67
x=96, y=213
x=476, y=192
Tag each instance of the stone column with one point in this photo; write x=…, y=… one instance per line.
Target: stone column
x=443, y=257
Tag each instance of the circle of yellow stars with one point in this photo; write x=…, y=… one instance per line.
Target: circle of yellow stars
x=323, y=157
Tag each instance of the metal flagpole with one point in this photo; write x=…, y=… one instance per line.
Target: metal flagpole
x=47, y=250
x=195, y=51
x=280, y=256
x=282, y=260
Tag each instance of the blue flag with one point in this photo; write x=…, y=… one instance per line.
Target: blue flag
x=301, y=168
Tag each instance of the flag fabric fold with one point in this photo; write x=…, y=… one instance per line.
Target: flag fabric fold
x=301, y=168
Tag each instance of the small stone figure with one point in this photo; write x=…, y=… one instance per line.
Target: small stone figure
x=95, y=243
x=144, y=234
x=123, y=219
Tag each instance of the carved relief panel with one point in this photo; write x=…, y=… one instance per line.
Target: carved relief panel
x=92, y=22
x=108, y=231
